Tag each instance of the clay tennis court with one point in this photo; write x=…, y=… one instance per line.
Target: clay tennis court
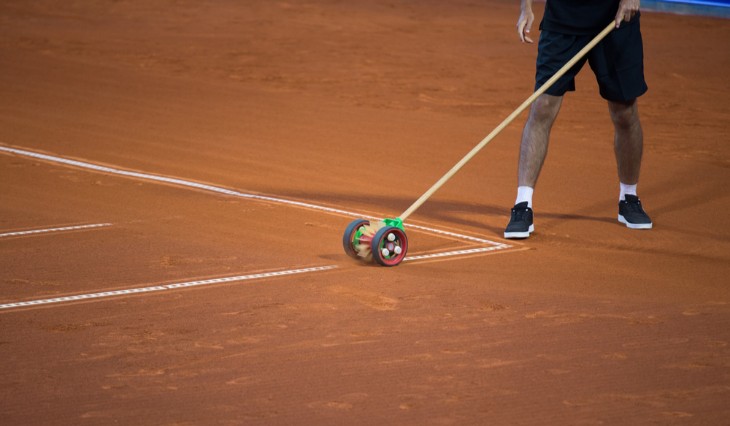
x=176, y=176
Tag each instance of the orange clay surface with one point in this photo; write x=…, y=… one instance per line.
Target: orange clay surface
x=357, y=106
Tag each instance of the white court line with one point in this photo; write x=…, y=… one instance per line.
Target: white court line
x=63, y=228
x=230, y=192
x=494, y=244
x=452, y=253
x=164, y=287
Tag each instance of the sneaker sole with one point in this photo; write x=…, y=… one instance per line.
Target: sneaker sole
x=515, y=235
x=634, y=225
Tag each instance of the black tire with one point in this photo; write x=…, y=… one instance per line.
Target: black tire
x=380, y=241
x=348, y=238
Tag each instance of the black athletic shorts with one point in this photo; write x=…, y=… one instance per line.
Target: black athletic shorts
x=617, y=61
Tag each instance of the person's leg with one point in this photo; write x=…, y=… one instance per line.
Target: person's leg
x=533, y=150
x=535, y=138
x=628, y=140
x=553, y=51
x=628, y=147
x=618, y=63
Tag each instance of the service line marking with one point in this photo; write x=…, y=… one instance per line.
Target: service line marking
x=220, y=190
x=157, y=288
x=47, y=230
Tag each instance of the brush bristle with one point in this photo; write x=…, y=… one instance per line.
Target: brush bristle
x=367, y=234
x=373, y=228
x=363, y=250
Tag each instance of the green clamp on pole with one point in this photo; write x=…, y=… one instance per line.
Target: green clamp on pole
x=396, y=222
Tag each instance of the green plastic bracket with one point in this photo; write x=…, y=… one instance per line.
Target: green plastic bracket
x=396, y=222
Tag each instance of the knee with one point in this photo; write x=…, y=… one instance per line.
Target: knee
x=544, y=110
x=624, y=115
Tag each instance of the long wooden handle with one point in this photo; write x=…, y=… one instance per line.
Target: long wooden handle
x=578, y=56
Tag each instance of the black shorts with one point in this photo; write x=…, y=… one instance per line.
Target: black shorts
x=617, y=61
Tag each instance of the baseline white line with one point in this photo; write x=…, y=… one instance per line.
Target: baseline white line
x=63, y=228
x=164, y=287
x=230, y=192
x=174, y=181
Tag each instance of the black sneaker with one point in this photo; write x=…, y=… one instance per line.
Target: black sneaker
x=631, y=213
x=520, y=223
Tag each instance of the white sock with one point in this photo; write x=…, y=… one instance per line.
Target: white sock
x=626, y=189
x=524, y=193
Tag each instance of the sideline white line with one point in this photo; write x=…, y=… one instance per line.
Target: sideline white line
x=220, y=190
x=452, y=253
x=164, y=287
x=460, y=236
x=63, y=228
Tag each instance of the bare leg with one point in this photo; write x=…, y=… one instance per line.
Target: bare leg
x=533, y=149
x=628, y=140
x=628, y=146
x=535, y=138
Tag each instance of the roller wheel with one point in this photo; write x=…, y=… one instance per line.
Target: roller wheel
x=351, y=237
x=389, y=246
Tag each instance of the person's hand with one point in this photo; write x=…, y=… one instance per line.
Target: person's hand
x=626, y=10
x=525, y=23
